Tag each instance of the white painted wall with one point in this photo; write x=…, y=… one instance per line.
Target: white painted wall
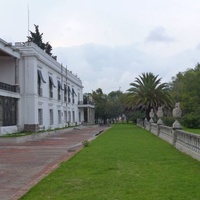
x=7, y=69
x=35, y=59
x=30, y=59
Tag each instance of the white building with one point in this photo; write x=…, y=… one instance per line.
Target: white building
x=36, y=92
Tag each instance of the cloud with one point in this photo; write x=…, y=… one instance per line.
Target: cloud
x=111, y=68
x=159, y=34
x=101, y=66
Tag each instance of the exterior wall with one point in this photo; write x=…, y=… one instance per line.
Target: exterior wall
x=9, y=89
x=35, y=59
x=34, y=102
x=7, y=67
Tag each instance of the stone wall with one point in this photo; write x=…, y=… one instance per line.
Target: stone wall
x=186, y=142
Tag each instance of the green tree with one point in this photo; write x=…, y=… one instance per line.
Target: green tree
x=36, y=37
x=147, y=92
x=101, y=106
x=116, y=104
x=185, y=89
x=48, y=48
x=108, y=106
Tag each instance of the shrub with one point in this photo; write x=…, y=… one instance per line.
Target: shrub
x=86, y=143
x=168, y=121
x=136, y=115
x=191, y=120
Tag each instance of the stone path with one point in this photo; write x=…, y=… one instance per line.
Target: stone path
x=24, y=165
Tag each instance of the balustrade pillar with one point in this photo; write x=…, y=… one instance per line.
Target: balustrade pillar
x=174, y=136
x=176, y=125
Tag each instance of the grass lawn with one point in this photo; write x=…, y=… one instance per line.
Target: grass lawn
x=15, y=135
x=124, y=163
x=192, y=130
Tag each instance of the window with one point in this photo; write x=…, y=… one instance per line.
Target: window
x=39, y=86
x=73, y=116
x=79, y=97
x=65, y=115
x=51, y=86
x=73, y=94
x=51, y=116
x=69, y=91
x=59, y=95
x=79, y=116
x=65, y=92
x=40, y=80
x=59, y=117
x=40, y=116
x=8, y=111
x=59, y=90
x=69, y=114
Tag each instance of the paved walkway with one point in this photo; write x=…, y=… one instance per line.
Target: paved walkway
x=24, y=165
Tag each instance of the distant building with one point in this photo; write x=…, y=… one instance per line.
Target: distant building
x=36, y=92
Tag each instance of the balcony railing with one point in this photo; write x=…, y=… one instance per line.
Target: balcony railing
x=8, y=87
x=84, y=103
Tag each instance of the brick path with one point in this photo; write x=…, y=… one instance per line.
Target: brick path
x=24, y=165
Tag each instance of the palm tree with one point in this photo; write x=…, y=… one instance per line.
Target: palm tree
x=147, y=92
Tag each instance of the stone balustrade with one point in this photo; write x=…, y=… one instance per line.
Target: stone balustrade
x=186, y=142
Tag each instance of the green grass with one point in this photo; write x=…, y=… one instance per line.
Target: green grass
x=124, y=163
x=20, y=134
x=192, y=130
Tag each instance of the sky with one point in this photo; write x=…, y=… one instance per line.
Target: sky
x=108, y=43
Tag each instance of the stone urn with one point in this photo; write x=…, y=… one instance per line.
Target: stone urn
x=151, y=115
x=177, y=112
x=159, y=115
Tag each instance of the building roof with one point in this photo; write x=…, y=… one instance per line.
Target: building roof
x=8, y=50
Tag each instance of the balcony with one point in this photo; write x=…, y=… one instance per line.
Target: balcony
x=84, y=104
x=8, y=87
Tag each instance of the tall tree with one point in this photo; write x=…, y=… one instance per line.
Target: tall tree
x=48, y=48
x=185, y=89
x=101, y=107
x=116, y=104
x=147, y=92
x=36, y=37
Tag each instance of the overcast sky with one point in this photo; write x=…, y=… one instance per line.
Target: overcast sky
x=108, y=43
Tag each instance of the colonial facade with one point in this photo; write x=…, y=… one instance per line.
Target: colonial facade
x=37, y=92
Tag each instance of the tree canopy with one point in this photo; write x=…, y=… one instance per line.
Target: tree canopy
x=109, y=106
x=185, y=89
x=36, y=37
x=147, y=92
